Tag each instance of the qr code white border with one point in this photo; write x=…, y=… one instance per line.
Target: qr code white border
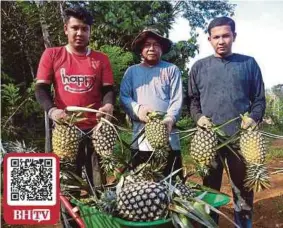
x=26, y=202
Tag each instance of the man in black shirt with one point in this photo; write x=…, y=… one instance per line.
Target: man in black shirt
x=221, y=87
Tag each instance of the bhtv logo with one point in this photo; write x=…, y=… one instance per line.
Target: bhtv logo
x=35, y=215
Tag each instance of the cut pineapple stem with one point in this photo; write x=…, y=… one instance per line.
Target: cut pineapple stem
x=188, y=135
x=267, y=134
x=170, y=175
x=138, y=135
x=224, y=124
x=83, y=109
x=226, y=169
x=185, y=131
x=225, y=143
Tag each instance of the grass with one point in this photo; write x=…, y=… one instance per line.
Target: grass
x=274, y=153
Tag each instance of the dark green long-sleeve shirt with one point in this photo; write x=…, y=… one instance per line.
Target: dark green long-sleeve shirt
x=224, y=88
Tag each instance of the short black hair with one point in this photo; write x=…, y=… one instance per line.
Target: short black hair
x=219, y=21
x=79, y=13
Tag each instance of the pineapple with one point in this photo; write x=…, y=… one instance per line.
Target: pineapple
x=65, y=141
x=158, y=137
x=203, y=147
x=186, y=191
x=143, y=201
x=156, y=132
x=104, y=138
x=253, y=149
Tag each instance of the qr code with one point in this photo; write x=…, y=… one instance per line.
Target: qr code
x=31, y=181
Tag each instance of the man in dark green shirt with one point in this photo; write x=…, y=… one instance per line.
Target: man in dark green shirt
x=221, y=87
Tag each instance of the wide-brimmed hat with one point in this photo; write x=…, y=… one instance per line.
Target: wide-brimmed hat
x=154, y=33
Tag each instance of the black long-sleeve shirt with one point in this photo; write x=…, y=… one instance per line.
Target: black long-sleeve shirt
x=224, y=88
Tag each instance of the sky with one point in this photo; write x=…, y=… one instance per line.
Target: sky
x=259, y=27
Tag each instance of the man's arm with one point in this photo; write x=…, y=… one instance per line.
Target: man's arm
x=257, y=93
x=193, y=95
x=107, y=90
x=43, y=95
x=176, y=96
x=44, y=79
x=130, y=106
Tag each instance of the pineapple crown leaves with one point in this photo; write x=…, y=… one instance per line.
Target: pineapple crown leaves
x=192, y=211
x=71, y=119
x=180, y=220
x=201, y=203
x=198, y=211
x=17, y=146
x=257, y=177
x=156, y=115
x=70, y=182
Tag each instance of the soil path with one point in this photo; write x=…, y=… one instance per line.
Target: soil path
x=268, y=204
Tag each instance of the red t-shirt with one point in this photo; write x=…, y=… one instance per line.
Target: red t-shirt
x=77, y=79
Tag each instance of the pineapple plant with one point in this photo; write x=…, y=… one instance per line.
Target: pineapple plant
x=65, y=139
x=203, y=148
x=253, y=149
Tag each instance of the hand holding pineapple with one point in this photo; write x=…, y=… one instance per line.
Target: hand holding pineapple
x=55, y=114
x=107, y=108
x=248, y=122
x=204, y=122
x=142, y=112
x=169, y=122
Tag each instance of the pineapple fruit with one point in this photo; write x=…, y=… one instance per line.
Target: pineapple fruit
x=203, y=148
x=104, y=138
x=156, y=132
x=65, y=141
x=253, y=149
x=157, y=135
x=143, y=201
x=186, y=191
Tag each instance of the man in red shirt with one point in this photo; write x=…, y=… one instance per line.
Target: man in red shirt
x=80, y=77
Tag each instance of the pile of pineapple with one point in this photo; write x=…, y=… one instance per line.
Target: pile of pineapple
x=144, y=194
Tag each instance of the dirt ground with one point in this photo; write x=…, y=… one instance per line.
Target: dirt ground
x=268, y=204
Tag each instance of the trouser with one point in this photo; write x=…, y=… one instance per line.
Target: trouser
x=242, y=198
x=174, y=161
x=90, y=159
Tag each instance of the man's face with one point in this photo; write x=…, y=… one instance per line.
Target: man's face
x=78, y=33
x=151, y=51
x=221, y=39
